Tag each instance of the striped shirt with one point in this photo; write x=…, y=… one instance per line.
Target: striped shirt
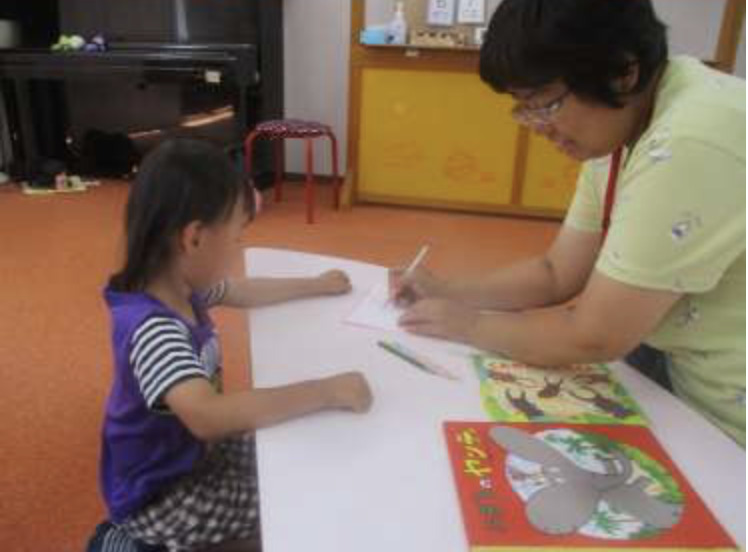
x=215, y=295
x=162, y=354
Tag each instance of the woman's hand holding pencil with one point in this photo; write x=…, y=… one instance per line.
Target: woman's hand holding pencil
x=409, y=285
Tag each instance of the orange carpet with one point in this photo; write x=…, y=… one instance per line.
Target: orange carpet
x=55, y=255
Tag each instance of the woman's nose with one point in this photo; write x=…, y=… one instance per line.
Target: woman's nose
x=542, y=129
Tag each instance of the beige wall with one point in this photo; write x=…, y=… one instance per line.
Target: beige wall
x=317, y=54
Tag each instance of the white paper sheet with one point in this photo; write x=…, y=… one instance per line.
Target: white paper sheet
x=375, y=311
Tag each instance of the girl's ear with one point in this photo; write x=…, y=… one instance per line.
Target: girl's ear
x=192, y=236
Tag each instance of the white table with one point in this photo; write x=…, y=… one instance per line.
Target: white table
x=381, y=481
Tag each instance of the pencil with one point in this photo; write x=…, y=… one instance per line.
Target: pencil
x=417, y=261
x=413, y=358
x=411, y=268
x=387, y=347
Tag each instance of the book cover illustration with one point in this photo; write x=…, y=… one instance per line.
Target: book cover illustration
x=574, y=487
x=584, y=393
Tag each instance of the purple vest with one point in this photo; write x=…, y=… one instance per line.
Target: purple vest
x=144, y=451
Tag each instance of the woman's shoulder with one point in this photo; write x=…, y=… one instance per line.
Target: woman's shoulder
x=686, y=79
x=699, y=103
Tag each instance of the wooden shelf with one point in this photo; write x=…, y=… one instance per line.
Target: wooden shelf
x=407, y=47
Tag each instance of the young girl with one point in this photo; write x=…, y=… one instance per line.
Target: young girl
x=177, y=458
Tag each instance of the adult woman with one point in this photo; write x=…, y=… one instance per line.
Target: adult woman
x=653, y=246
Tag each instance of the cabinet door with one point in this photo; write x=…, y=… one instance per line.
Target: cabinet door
x=434, y=138
x=550, y=176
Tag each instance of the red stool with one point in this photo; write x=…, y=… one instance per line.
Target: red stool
x=278, y=131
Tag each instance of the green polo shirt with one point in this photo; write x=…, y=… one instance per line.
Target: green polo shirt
x=678, y=224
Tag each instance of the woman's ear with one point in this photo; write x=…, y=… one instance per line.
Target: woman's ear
x=627, y=83
x=192, y=236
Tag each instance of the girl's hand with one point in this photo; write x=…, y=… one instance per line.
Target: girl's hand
x=333, y=282
x=349, y=391
x=420, y=284
x=440, y=318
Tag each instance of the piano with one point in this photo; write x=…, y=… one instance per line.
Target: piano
x=234, y=65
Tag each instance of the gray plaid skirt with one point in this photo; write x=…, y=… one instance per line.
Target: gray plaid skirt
x=216, y=503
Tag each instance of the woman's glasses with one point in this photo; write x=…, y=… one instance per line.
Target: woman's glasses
x=542, y=115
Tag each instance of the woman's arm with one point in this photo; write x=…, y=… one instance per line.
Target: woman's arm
x=608, y=320
x=550, y=279
x=257, y=292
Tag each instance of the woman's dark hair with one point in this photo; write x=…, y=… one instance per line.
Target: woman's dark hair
x=586, y=44
x=179, y=182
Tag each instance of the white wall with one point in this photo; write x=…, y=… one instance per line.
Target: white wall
x=317, y=54
x=693, y=25
x=693, y=28
x=316, y=49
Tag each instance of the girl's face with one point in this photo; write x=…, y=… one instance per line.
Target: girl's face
x=212, y=249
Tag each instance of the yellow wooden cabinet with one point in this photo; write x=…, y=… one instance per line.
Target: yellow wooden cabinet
x=445, y=139
x=425, y=131
x=549, y=177
x=434, y=138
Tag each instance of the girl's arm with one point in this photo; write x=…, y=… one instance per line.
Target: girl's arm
x=257, y=292
x=211, y=416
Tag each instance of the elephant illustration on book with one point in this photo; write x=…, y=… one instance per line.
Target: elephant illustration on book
x=573, y=494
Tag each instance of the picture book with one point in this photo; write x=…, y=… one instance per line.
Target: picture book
x=584, y=393
x=536, y=487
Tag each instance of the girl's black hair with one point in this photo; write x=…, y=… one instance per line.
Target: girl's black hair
x=179, y=182
x=586, y=44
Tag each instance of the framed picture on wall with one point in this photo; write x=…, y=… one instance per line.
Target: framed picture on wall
x=471, y=12
x=441, y=12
